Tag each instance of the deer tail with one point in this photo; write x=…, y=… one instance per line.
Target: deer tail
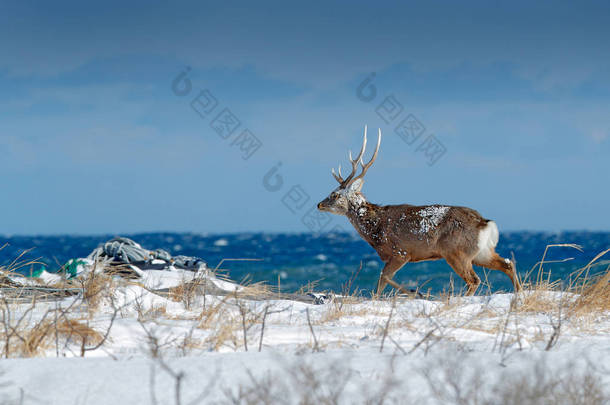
x=487, y=241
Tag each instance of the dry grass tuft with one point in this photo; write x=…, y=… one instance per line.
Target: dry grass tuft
x=260, y=289
x=594, y=292
x=222, y=324
x=212, y=314
x=538, y=297
x=183, y=292
x=341, y=309
x=223, y=332
x=595, y=297
x=35, y=340
x=96, y=286
x=69, y=328
x=591, y=293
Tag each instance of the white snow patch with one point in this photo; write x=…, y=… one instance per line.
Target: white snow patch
x=430, y=217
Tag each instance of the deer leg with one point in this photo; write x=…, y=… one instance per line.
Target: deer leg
x=496, y=262
x=463, y=267
x=390, y=268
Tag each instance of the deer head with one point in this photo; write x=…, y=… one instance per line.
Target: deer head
x=348, y=194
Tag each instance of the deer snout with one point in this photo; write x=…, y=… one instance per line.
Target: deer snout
x=329, y=205
x=324, y=205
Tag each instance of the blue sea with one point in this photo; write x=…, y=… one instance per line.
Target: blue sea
x=327, y=261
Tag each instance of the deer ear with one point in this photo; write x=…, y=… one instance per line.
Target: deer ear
x=356, y=185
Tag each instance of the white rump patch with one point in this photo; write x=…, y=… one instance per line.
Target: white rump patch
x=488, y=239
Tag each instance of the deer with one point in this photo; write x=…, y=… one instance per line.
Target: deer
x=405, y=233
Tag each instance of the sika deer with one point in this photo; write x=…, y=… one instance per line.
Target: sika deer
x=409, y=233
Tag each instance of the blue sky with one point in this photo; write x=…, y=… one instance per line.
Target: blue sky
x=94, y=140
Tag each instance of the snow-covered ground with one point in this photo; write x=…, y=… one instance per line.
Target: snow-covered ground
x=169, y=349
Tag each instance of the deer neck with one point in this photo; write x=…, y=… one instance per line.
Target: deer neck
x=363, y=215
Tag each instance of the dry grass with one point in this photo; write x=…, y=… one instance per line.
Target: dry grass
x=19, y=263
x=159, y=311
x=254, y=290
x=31, y=328
x=222, y=334
x=194, y=292
x=310, y=287
x=183, y=292
x=584, y=294
x=71, y=328
x=593, y=292
x=222, y=322
x=96, y=286
x=223, y=325
x=36, y=338
x=336, y=311
x=596, y=296
x=212, y=314
x=346, y=305
x=539, y=297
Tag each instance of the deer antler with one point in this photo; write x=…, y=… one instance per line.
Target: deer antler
x=354, y=162
x=365, y=167
x=337, y=177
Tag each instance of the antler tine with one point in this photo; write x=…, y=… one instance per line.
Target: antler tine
x=354, y=162
x=365, y=167
x=338, y=177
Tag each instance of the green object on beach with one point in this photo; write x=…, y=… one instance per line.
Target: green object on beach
x=71, y=267
x=38, y=272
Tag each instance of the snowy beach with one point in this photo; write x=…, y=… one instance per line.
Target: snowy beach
x=121, y=341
